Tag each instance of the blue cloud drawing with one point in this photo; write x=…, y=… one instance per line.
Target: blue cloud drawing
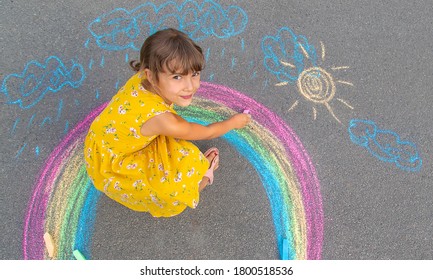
x=121, y=29
x=29, y=87
x=286, y=54
x=385, y=145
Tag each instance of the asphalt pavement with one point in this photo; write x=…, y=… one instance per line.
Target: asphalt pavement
x=351, y=81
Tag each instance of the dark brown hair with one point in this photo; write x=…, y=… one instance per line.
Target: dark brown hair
x=169, y=49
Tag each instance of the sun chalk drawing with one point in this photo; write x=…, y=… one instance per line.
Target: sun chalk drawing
x=385, y=145
x=293, y=60
x=30, y=86
x=121, y=29
x=64, y=203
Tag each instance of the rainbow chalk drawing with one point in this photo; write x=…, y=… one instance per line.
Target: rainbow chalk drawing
x=64, y=202
x=385, y=145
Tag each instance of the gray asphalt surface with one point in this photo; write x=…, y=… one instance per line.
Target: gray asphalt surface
x=375, y=207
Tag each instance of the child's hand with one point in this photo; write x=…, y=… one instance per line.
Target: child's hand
x=240, y=120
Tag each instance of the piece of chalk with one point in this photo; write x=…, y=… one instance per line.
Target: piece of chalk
x=285, y=250
x=246, y=111
x=49, y=244
x=79, y=256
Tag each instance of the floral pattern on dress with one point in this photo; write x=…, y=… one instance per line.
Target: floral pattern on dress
x=155, y=174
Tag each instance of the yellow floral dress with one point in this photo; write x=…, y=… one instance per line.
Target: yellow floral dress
x=156, y=174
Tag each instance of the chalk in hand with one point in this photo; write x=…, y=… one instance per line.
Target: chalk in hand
x=49, y=244
x=79, y=256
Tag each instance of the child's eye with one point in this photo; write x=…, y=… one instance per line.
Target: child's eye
x=195, y=74
x=177, y=77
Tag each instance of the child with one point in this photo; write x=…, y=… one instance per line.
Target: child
x=137, y=150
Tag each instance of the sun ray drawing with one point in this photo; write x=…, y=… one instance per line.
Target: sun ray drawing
x=317, y=85
x=294, y=61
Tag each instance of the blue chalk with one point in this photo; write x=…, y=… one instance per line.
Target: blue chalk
x=285, y=250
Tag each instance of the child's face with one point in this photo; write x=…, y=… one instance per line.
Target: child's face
x=178, y=88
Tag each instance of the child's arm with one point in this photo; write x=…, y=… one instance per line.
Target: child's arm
x=170, y=124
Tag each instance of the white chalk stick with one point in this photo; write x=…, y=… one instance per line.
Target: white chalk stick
x=49, y=243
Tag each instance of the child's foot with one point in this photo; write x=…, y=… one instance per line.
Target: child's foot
x=212, y=156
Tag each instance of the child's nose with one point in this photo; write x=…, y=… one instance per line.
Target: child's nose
x=189, y=84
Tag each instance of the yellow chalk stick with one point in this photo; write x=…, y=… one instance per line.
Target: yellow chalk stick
x=49, y=243
x=78, y=255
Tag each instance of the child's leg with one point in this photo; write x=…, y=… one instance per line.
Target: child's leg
x=203, y=184
x=212, y=158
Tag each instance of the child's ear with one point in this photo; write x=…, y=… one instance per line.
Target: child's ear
x=149, y=75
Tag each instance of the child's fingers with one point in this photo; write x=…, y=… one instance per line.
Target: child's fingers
x=247, y=119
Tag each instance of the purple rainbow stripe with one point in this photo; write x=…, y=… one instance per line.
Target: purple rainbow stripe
x=64, y=203
x=34, y=223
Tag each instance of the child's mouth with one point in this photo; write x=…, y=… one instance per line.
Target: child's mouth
x=187, y=96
